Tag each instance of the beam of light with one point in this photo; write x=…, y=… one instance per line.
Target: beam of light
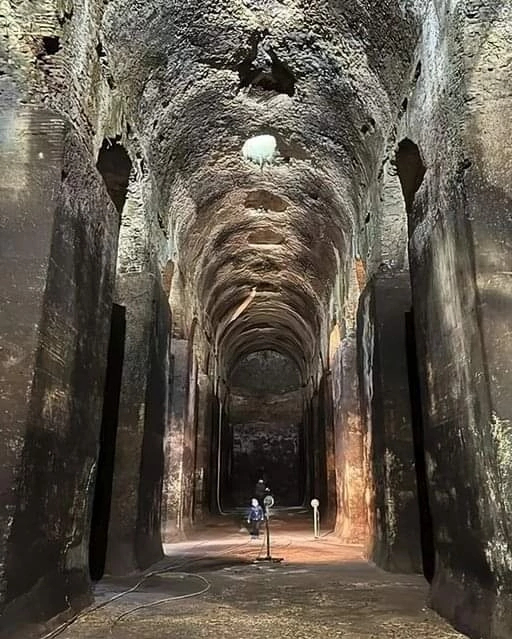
x=240, y=309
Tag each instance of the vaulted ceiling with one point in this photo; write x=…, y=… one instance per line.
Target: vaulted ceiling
x=203, y=77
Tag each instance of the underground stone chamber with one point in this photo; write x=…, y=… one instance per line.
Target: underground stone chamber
x=182, y=316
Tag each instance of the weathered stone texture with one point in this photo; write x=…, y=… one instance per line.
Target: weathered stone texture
x=349, y=440
x=384, y=381
x=460, y=232
x=363, y=99
x=134, y=537
x=54, y=423
x=177, y=451
x=267, y=439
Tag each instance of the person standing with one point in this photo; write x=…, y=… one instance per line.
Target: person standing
x=260, y=491
x=254, y=518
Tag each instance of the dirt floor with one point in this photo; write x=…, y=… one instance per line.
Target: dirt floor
x=321, y=589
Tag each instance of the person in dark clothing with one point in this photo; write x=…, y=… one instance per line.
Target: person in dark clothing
x=260, y=491
x=254, y=518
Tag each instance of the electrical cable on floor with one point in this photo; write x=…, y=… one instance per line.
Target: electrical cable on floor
x=66, y=624
x=60, y=629
x=166, y=599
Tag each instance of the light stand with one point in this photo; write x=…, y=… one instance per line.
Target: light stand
x=269, y=502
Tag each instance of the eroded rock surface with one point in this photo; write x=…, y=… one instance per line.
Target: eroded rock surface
x=383, y=216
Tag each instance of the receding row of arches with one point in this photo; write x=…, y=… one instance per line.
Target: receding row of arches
x=253, y=411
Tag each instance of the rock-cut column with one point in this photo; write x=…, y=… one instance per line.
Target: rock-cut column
x=58, y=250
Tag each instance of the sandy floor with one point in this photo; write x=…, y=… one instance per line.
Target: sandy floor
x=320, y=589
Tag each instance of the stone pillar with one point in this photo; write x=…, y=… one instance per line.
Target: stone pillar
x=307, y=449
x=134, y=529
x=351, y=523
x=135, y=291
x=394, y=542
x=174, y=443
x=349, y=441
x=148, y=542
x=204, y=416
x=325, y=396
x=59, y=242
x=461, y=260
x=316, y=453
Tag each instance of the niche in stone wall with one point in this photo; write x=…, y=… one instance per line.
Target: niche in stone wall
x=411, y=171
x=115, y=167
x=107, y=444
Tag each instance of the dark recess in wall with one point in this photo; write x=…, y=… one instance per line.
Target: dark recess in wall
x=426, y=529
x=263, y=70
x=147, y=537
x=411, y=171
x=107, y=445
x=115, y=167
x=51, y=44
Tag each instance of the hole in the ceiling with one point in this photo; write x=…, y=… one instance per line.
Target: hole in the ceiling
x=262, y=70
x=265, y=237
x=262, y=199
x=100, y=51
x=51, y=44
x=417, y=71
x=260, y=149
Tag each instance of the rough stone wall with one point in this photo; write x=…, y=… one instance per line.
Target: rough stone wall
x=329, y=492
x=349, y=440
x=266, y=427
x=394, y=542
x=135, y=511
x=148, y=541
x=460, y=259
x=266, y=442
x=176, y=449
x=134, y=528
x=274, y=452
x=203, y=471
x=60, y=293
x=58, y=103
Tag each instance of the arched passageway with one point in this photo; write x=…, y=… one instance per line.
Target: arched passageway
x=266, y=423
